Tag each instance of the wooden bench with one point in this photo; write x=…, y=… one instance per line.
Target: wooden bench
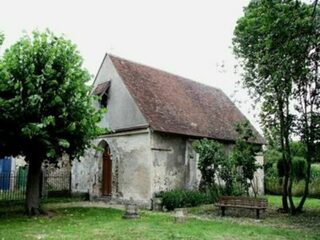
x=242, y=202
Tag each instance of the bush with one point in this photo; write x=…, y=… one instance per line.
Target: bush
x=315, y=172
x=213, y=194
x=299, y=168
x=273, y=184
x=173, y=199
x=187, y=198
x=194, y=198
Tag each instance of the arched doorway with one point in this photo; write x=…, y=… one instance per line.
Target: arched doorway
x=106, y=172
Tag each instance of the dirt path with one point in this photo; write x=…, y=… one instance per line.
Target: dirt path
x=84, y=204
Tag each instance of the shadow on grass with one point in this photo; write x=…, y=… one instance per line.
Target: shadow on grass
x=14, y=208
x=308, y=220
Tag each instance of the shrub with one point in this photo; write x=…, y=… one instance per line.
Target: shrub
x=315, y=172
x=186, y=198
x=173, y=199
x=213, y=194
x=194, y=198
x=273, y=184
x=299, y=168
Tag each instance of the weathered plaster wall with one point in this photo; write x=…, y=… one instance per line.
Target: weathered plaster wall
x=143, y=162
x=174, y=162
x=258, y=179
x=193, y=175
x=122, y=110
x=131, y=168
x=86, y=174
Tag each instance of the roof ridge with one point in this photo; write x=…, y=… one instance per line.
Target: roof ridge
x=163, y=71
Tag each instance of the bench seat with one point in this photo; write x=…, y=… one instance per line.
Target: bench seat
x=242, y=202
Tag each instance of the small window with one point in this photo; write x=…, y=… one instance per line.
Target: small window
x=102, y=91
x=104, y=100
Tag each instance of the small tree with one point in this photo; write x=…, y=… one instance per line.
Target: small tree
x=211, y=156
x=227, y=174
x=243, y=155
x=45, y=106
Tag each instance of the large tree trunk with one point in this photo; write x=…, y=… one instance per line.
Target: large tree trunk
x=32, y=206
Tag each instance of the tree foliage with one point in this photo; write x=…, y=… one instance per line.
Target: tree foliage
x=211, y=156
x=273, y=160
x=273, y=40
x=1, y=38
x=237, y=167
x=243, y=155
x=45, y=106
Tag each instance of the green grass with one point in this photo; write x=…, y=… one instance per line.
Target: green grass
x=311, y=204
x=202, y=223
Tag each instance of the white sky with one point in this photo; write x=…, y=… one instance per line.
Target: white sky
x=191, y=38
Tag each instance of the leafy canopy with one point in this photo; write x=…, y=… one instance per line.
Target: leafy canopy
x=244, y=152
x=243, y=155
x=270, y=40
x=214, y=163
x=278, y=43
x=211, y=156
x=45, y=106
x=1, y=38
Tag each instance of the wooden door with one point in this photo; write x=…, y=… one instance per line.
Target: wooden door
x=106, y=174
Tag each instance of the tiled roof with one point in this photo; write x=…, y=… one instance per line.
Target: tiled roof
x=173, y=104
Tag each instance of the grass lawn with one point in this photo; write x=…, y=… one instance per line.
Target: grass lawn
x=203, y=223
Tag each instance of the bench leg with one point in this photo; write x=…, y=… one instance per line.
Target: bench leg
x=223, y=211
x=257, y=213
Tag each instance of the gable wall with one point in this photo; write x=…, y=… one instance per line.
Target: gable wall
x=122, y=110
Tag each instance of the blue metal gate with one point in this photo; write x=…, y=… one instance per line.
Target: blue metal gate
x=5, y=171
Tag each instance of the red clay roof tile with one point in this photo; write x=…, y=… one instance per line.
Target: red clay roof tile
x=175, y=104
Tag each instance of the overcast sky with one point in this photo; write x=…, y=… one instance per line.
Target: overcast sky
x=191, y=38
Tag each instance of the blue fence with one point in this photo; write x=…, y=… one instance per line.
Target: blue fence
x=5, y=172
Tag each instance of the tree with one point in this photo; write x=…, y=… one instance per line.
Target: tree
x=307, y=93
x=243, y=155
x=269, y=39
x=45, y=106
x=211, y=156
x=315, y=3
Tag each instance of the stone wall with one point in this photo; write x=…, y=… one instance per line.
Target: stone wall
x=174, y=162
x=131, y=167
x=143, y=163
x=86, y=173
